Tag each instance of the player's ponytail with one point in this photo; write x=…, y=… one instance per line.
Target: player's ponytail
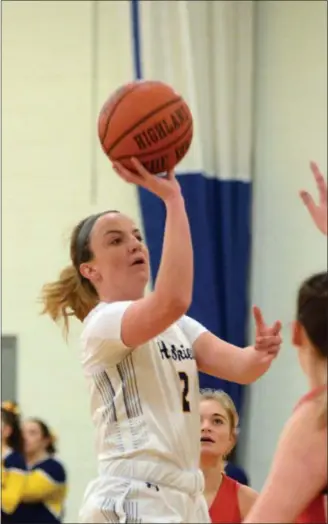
x=68, y=296
x=72, y=294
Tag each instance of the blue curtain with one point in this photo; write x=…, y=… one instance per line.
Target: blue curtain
x=219, y=214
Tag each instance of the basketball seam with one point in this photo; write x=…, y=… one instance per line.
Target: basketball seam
x=110, y=116
x=151, y=113
x=152, y=152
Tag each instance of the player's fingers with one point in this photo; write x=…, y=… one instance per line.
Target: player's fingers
x=170, y=174
x=308, y=201
x=276, y=328
x=274, y=350
x=259, y=320
x=264, y=342
x=126, y=174
x=321, y=183
x=141, y=170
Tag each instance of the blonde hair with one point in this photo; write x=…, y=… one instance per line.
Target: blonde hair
x=72, y=294
x=68, y=296
x=227, y=403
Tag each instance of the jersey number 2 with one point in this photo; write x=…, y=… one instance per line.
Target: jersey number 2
x=185, y=402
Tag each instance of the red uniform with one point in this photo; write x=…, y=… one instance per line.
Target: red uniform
x=225, y=507
x=315, y=512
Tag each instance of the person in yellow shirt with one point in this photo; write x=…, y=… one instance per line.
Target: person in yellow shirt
x=45, y=490
x=13, y=466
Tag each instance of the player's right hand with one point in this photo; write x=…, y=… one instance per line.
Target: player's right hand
x=165, y=188
x=318, y=212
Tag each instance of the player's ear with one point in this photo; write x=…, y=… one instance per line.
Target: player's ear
x=89, y=271
x=297, y=334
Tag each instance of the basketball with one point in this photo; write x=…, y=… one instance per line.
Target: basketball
x=147, y=120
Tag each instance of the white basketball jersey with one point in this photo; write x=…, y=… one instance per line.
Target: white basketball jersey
x=145, y=401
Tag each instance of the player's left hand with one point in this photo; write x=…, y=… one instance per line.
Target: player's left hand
x=267, y=338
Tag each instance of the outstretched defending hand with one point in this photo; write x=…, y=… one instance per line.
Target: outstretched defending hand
x=318, y=212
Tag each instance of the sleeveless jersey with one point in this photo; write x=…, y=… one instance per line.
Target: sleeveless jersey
x=225, y=507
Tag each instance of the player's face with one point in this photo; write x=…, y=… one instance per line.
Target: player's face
x=33, y=438
x=121, y=261
x=216, y=435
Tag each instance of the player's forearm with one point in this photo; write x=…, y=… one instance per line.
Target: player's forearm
x=251, y=368
x=175, y=276
x=226, y=361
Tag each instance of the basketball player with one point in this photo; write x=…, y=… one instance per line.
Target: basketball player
x=140, y=356
x=296, y=489
x=228, y=500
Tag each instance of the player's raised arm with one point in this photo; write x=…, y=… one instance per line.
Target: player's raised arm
x=172, y=294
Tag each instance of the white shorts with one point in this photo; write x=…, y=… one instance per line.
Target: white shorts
x=132, y=500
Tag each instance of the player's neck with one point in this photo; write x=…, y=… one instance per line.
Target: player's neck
x=34, y=458
x=212, y=470
x=119, y=295
x=317, y=376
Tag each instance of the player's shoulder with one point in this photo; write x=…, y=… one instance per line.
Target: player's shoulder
x=185, y=322
x=191, y=328
x=246, y=492
x=305, y=417
x=313, y=398
x=14, y=460
x=103, y=319
x=246, y=498
x=304, y=431
x=53, y=468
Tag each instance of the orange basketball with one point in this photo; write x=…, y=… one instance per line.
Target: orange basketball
x=147, y=120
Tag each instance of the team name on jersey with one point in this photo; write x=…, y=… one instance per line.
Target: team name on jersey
x=172, y=352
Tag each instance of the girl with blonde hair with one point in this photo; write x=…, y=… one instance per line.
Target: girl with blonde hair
x=228, y=500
